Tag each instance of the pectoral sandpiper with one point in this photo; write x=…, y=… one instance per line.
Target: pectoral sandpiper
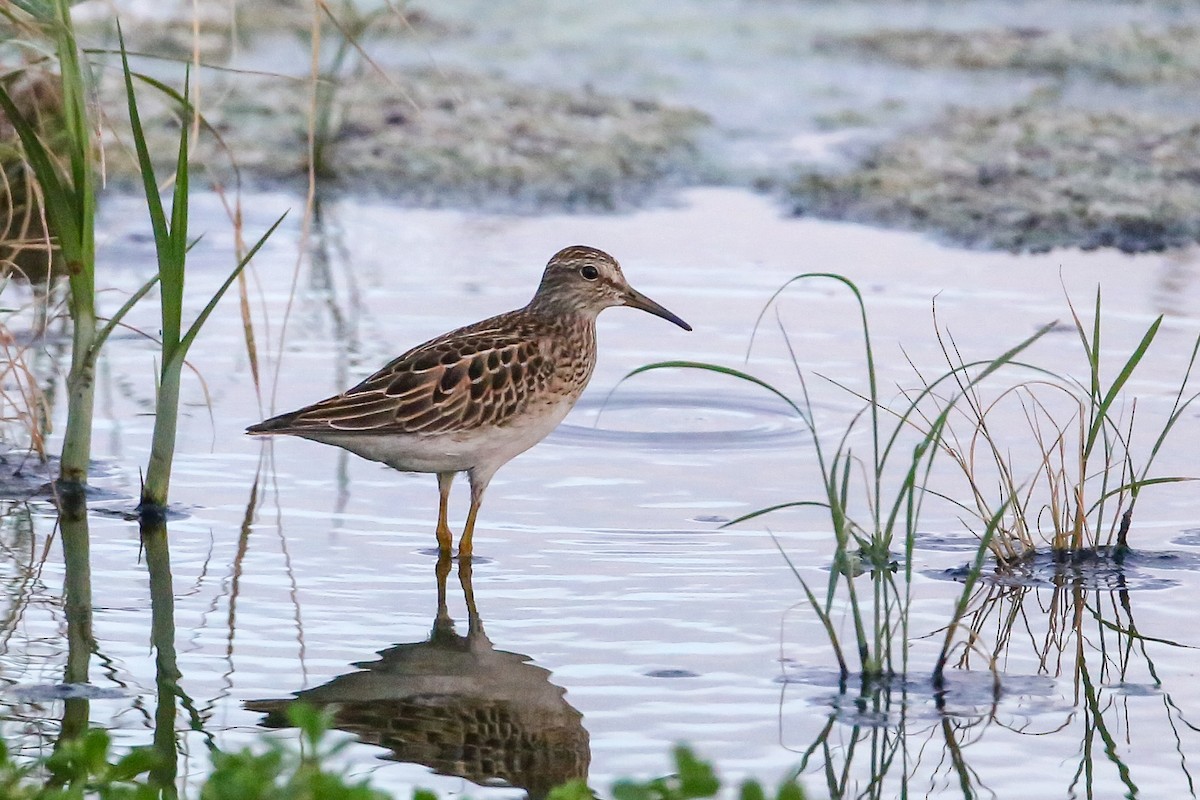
x=472, y=399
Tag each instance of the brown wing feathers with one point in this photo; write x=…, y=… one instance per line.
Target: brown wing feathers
x=442, y=386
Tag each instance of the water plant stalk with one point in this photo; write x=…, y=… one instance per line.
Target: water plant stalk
x=70, y=205
x=171, y=247
x=77, y=608
x=167, y=675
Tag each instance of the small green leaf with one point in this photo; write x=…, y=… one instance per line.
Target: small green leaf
x=790, y=791
x=631, y=790
x=137, y=761
x=312, y=722
x=571, y=790
x=95, y=745
x=696, y=777
x=752, y=790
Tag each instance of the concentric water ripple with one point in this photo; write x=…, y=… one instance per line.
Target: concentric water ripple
x=661, y=421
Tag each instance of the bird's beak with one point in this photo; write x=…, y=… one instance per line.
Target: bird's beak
x=635, y=299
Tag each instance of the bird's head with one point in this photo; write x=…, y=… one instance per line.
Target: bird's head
x=584, y=279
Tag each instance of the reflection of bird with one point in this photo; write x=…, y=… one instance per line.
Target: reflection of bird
x=470, y=400
x=458, y=706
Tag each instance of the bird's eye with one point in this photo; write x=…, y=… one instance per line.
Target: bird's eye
x=589, y=273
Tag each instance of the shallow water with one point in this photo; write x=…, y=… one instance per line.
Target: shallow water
x=615, y=616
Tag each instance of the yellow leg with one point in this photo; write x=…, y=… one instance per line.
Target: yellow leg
x=445, y=538
x=479, y=482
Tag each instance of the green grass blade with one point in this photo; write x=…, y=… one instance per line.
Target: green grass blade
x=1135, y=358
x=177, y=244
x=1094, y=354
x=78, y=129
x=1091, y=350
x=770, y=509
x=1134, y=487
x=103, y=333
x=198, y=323
x=179, y=204
x=700, y=365
x=825, y=619
x=170, y=272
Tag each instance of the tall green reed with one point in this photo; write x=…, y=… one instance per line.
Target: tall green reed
x=171, y=246
x=69, y=199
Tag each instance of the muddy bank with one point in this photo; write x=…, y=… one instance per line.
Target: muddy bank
x=433, y=138
x=1128, y=55
x=488, y=106
x=1026, y=179
x=1103, y=153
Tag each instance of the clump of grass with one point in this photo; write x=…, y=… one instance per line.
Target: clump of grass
x=873, y=499
x=1080, y=493
x=65, y=173
x=1080, y=498
x=68, y=198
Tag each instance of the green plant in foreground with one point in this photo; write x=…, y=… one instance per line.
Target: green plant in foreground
x=282, y=773
x=83, y=768
x=171, y=245
x=79, y=768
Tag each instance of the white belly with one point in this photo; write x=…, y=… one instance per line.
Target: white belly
x=482, y=449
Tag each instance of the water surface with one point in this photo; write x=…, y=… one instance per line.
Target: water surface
x=608, y=595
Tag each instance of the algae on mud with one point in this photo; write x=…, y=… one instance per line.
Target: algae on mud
x=443, y=137
x=1127, y=55
x=1030, y=178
